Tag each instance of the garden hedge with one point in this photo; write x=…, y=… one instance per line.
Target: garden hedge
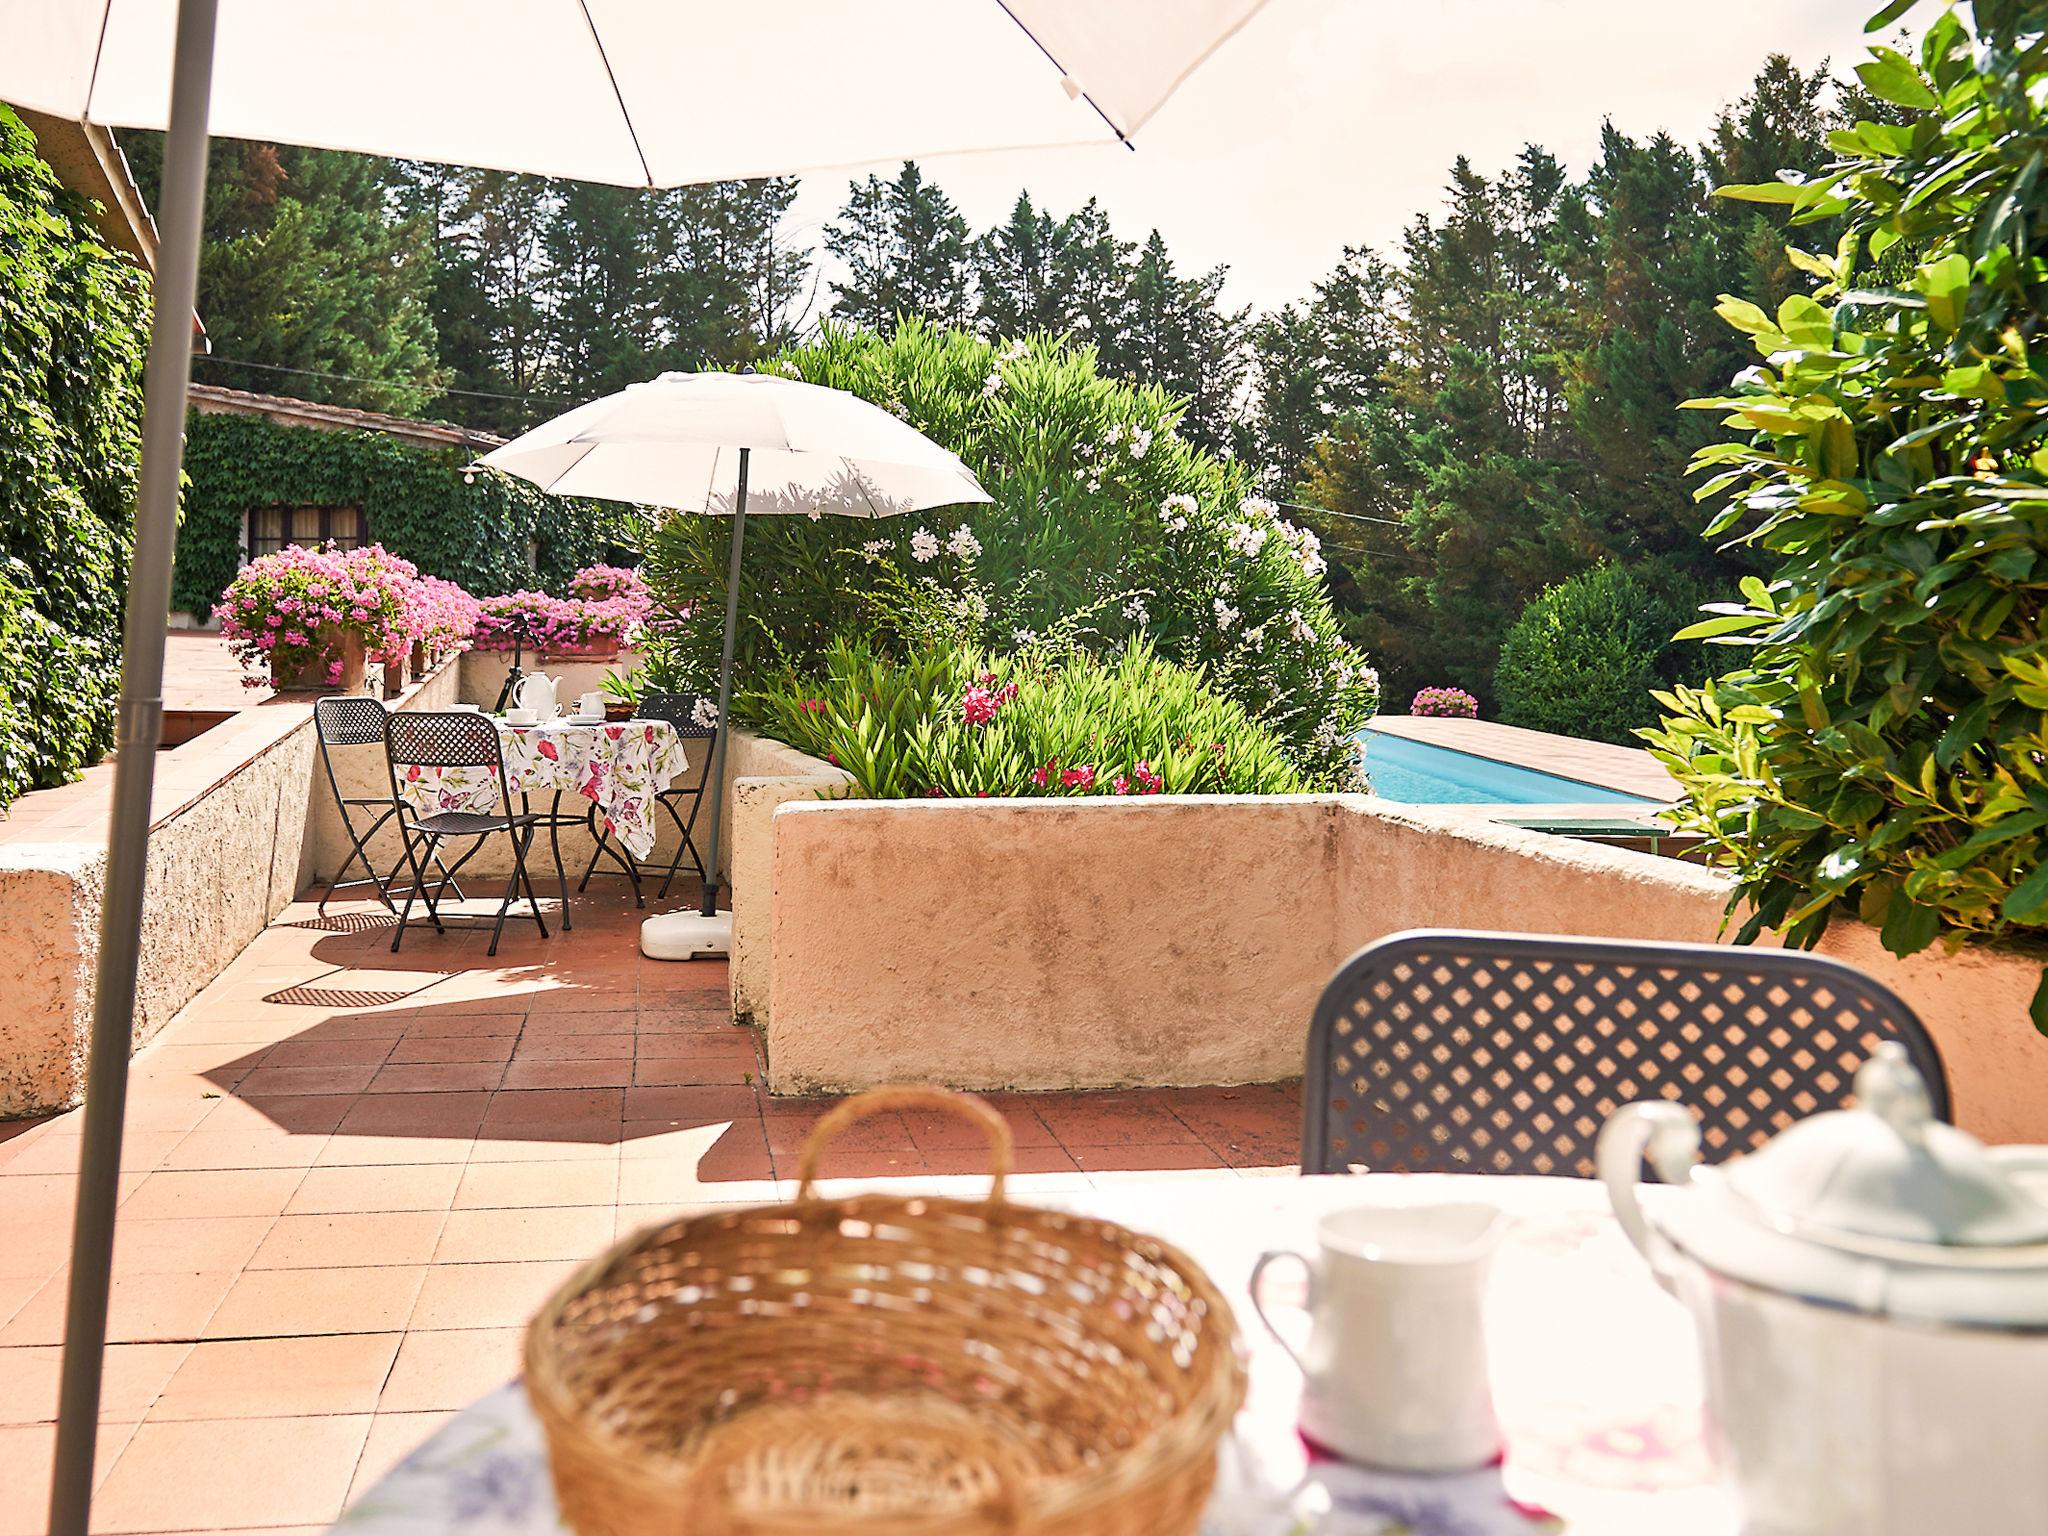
x=1584, y=657
x=476, y=534
x=73, y=331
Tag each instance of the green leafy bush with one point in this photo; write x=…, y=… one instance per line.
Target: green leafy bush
x=73, y=328
x=488, y=532
x=948, y=720
x=1584, y=658
x=1884, y=749
x=1106, y=527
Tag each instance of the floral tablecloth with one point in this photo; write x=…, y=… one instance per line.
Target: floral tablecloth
x=1595, y=1376
x=619, y=768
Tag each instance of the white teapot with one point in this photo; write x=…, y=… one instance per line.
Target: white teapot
x=1871, y=1295
x=537, y=692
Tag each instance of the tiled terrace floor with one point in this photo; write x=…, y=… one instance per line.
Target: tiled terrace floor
x=349, y=1177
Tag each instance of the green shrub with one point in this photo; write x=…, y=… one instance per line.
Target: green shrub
x=947, y=720
x=1106, y=526
x=73, y=328
x=1584, y=658
x=488, y=533
x=1883, y=751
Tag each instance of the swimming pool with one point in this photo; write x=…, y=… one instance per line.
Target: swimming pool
x=1418, y=773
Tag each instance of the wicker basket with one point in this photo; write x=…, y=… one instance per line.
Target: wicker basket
x=915, y=1366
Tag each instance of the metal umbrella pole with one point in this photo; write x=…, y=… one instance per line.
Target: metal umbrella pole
x=714, y=775
x=138, y=735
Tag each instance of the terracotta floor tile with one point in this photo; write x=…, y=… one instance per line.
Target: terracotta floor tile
x=420, y=1187
x=487, y=1295
x=450, y=1021
x=344, y=1151
x=597, y=1047
x=570, y=1109
x=586, y=1181
x=169, y=1245
x=309, y=1052
x=683, y=1107
x=1147, y=1157
x=934, y=1130
x=131, y=1377
x=548, y=1145
x=672, y=1182
x=452, y=1048
x=721, y=1061
x=451, y=1368
x=392, y=1438
x=245, y=1192
x=615, y=1072
x=790, y=1126
x=279, y=1378
x=220, y=1474
x=342, y=1240
x=244, y=1149
x=27, y=1452
x=343, y=1079
x=141, y=1309
x=416, y=1114
x=1077, y=1120
x=274, y=1302
x=141, y=1152
x=506, y=1236
x=314, y=1114
x=437, y=1077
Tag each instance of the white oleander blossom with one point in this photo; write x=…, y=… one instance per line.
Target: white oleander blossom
x=972, y=607
x=1307, y=548
x=815, y=515
x=924, y=546
x=992, y=385
x=1245, y=539
x=1015, y=352
x=876, y=547
x=1298, y=626
x=1141, y=441
x=1225, y=615
x=1136, y=612
x=1022, y=638
x=705, y=714
x=1175, y=511
x=1258, y=509
x=963, y=544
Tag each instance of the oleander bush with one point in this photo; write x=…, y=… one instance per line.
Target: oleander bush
x=1107, y=527
x=1444, y=703
x=1584, y=657
x=73, y=330
x=948, y=720
x=1880, y=748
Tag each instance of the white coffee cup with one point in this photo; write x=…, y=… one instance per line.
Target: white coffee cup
x=521, y=717
x=591, y=706
x=1394, y=1367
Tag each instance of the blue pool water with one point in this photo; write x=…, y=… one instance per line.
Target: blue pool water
x=1418, y=773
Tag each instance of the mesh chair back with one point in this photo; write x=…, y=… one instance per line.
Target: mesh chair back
x=349, y=720
x=436, y=739
x=680, y=710
x=1452, y=1052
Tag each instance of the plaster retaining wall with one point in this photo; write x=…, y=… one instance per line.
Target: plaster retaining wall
x=1169, y=941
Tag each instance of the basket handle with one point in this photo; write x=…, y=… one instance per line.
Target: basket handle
x=879, y=1101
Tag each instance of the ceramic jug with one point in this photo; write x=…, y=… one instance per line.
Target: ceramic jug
x=537, y=692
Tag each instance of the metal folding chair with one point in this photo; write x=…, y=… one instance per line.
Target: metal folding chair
x=680, y=710
x=1456, y=1052
x=455, y=739
x=351, y=720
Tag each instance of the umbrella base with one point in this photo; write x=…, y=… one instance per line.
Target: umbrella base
x=686, y=936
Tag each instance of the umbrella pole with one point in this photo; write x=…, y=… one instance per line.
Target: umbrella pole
x=714, y=782
x=140, y=731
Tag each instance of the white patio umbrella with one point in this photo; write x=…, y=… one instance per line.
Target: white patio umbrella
x=737, y=444
x=636, y=92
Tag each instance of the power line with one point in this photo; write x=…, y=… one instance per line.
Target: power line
x=1356, y=517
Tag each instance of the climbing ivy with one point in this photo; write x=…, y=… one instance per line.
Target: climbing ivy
x=489, y=534
x=73, y=329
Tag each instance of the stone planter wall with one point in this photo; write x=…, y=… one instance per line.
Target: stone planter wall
x=1166, y=941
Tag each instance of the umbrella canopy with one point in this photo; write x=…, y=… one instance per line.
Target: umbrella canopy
x=635, y=92
x=736, y=443
x=676, y=442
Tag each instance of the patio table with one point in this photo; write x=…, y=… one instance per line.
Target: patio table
x=618, y=767
x=1595, y=1375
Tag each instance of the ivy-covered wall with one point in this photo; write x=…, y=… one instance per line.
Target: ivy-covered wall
x=418, y=505
x=73, y=330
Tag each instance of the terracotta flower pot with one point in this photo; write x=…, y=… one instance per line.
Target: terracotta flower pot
x=310, y=676
x=421, y=659
x=597, y=649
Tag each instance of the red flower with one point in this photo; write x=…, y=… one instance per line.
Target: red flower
x=549, y=750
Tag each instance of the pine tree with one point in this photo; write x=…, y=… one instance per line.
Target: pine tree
x=1017, y=276
x=906, y=252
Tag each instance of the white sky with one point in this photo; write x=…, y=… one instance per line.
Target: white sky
x=1327, y=122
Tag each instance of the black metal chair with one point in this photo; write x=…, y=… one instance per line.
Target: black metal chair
x=680, y=710
x=1455, y=1052
x=351, y=720
x=455, y=739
